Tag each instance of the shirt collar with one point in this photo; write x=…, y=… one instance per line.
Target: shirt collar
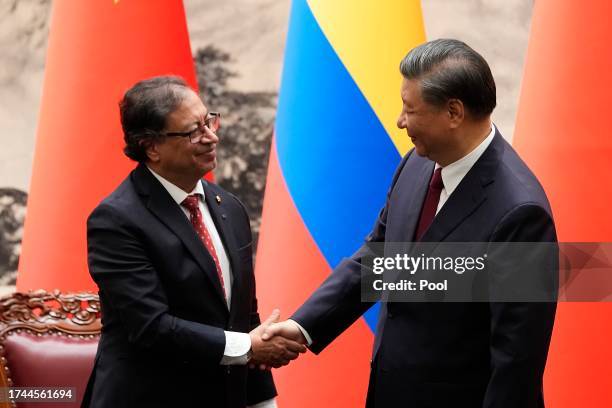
x=176, y=192
x=453, y=173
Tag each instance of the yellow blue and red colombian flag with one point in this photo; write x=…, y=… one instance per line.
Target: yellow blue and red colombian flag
x=335, y=149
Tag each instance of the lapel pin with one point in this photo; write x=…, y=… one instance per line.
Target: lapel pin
x=218, y=199
x=223, y=216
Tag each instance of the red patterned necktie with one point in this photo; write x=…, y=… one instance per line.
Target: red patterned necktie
x=195, y=215
x=428, y=212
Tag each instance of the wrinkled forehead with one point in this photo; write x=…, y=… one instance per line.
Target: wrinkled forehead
x=191, y=102
x=190, y=110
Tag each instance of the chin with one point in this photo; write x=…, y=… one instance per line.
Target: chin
x=420, y=151
x=207, y=167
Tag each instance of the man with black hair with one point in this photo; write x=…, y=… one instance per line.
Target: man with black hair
x=462, y=182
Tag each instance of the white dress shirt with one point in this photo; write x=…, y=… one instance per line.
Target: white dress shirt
x=453, y=173
x=178, y=195
x=237, y=344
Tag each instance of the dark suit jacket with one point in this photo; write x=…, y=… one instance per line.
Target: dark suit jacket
x=163, y=310
x=450, y=354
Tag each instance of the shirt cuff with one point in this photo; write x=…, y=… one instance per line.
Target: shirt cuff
x=271, y=403
x=237, y=346
x=304, y=332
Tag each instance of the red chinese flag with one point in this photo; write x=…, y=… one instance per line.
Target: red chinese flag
x=563, y=132
x=97, y=49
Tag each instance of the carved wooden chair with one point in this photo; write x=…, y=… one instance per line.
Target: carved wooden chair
x=48, y=340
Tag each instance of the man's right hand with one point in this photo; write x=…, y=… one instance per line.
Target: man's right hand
x=276, y=351
x=287, y=329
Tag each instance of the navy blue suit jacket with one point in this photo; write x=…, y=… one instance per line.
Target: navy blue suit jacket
x=449, y=354
x=163, y=308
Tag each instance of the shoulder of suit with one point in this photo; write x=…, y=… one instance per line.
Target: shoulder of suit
x=122, y=199
x=520, y=183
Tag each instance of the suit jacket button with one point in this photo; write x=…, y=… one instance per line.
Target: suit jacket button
x=231, y=327
x=227, y=370
x=390, y=315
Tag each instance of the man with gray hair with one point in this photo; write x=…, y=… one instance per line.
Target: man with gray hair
x=172, y=257
x=462, y=182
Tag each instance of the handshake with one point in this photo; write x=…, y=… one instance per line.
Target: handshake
x=275, y=344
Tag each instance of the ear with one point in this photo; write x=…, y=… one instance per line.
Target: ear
x=456, y=112
x=151, y=150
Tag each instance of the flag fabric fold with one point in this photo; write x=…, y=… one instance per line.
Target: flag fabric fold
x=335, y=149
x=562, y=132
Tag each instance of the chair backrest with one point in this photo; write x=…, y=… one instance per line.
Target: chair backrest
x=48, y=340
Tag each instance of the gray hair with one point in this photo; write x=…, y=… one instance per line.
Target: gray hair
x=450, y=69
x=144, y=109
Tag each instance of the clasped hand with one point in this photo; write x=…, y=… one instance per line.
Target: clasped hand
x=275, y=344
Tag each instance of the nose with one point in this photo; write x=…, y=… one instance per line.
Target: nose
x=209, y=137
x=401, y=121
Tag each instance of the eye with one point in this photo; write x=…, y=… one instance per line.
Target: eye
x=191, y=132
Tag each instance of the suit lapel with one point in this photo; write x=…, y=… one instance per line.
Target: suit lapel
x=466, y=198
x=219, y=216
x=469, y=194
x=161, y=204
x=415, y=201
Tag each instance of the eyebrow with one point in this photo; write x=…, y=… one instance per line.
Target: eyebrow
x=197, y=122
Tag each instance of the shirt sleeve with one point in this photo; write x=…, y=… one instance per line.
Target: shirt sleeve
x=271, y=403
x=237, y=346
x=304, y=332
